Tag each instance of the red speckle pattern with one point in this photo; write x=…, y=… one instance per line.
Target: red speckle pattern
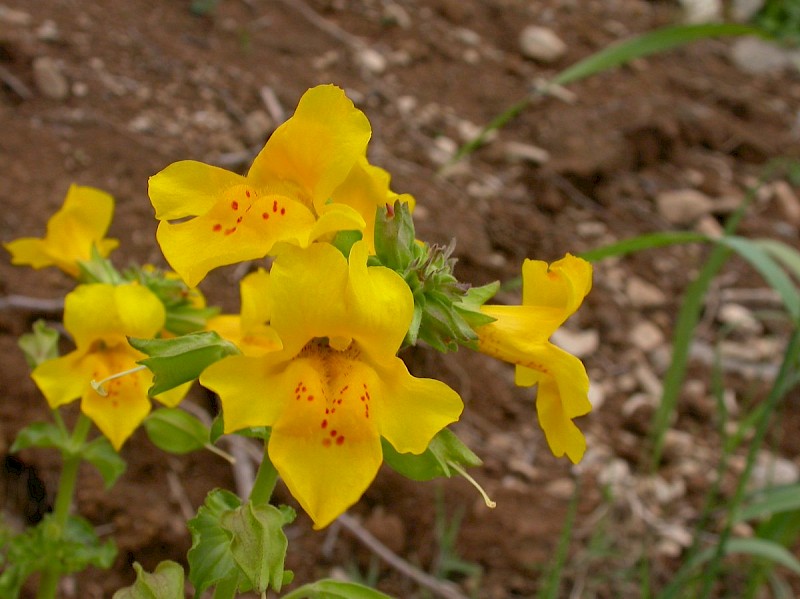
x=234, y=211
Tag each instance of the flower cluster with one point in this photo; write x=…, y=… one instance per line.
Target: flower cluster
x=319, y=331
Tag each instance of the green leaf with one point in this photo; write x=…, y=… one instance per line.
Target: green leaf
x=444, y=449
x=43, y=435
x=773, y=274
x=335, y=589
x=181, y=359
x=783, y=253
x=258, y=542
x=643, y=242
x=771, y=501
x=217, y=428
x=755, y=547
x=165, y=583
x=40, y=345
x=210, y=558
x=176, y=431
x=100, y=454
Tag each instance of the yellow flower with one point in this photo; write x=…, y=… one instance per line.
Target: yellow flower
x=520, y=335
x=285, y=197
x=100, y=317
x=337, y=386
x=71, y=232
x=249, y=330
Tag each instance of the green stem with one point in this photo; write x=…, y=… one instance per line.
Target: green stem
x=265, y=481
x=66, y=491
x=777, y=391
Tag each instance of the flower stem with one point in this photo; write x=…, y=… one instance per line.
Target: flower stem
x=63, y=503
x=265, y=481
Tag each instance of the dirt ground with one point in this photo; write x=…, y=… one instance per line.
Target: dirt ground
x=107, y=93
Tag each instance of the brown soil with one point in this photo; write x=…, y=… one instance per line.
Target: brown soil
x=151, y=83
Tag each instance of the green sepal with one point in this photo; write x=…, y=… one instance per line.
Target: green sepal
x=345, y=240
x=395, y=238
x=258, y=543
x=210, y=558
x=217, y=428
x=335, y=589
x=181, y=359
x=176, y=431
x=100, y=454
x=98, y=270
x=165, y=583
x=43, y=435
x=39, y=345
x=444, y=449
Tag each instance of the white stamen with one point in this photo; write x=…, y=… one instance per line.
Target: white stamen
x=489, y=503
x=98, y=385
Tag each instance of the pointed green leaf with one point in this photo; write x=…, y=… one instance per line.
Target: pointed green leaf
x=335, y=589
x=217, y=428
x=165, y=583
x=210, y=558
x=444, y=449
x=258, y=542
x=40, y=345
x=755, y=547
x=43, y=435
x=774, y=500
x=100, y=454
x=181, y=359
x=176, y=431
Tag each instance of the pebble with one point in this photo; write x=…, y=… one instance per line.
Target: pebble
x=642, y=294
x=396, y=14
x=541, y=44
x=257, y=125
x=786, y=202
x=48, y=31
x=371, y=60
x=561, y=488
x=740, y=318
x=743, y=11
x=759, y=57
x=683, y=206
x=678, y=444
x=771, y=470
x=579, y=343
x=646, y=336
x=702, y=11
x=442, y=150
x=50, y=81
x=521, y=152
x=12, y=16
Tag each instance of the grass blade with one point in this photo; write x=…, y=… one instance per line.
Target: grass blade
x=643, y=242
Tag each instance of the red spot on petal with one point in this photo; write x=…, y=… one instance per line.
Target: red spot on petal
x=265, y=216
x=231, y=230
x=234, y=205
x=217, y=227
x=275, y=206
x=310, y=398
x=339, y=440
x=238, y=220
x=247, y=192
x=326, y=442
x=283, y=211
x=324, y=424
x=333, y=433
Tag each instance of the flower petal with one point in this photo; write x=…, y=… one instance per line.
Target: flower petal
x=561, y=285
x=110, y=313
x=119, y=413
x=381, y=306
x=562, y=435
x=431, y=403
x=231, y=232
x=189, y=188
x=315, y=148
x=64, y=379
x=325, y=445
x=567, y=371
x=248, y=389
x=517, y=330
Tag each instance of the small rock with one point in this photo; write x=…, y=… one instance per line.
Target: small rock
x=772, y=470
x=758, y=57
x=257, y=125
x=683, y=206
x=578, y=343
x=48, y=31
x=561, y=488
x=80, y=89
x=740, y=318
x=520, y=152
x=646, y=336
x=615, y=474
x=49, y=79
x=702, y=11
x=642, y=294
x=596, y=395
x=743, y=11
x=442, y=150
x=12, y=16
x=787, y=202
x=677, y=444
x=371, y=60
x=542, y=44
x=709, y=226
x=396, y=14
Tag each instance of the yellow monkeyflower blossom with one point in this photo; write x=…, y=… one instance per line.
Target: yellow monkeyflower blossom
x=100, y=317
x=520, y=335
x=249, y=330
x=285, y=197
x=337, y=386
x=79, y=224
